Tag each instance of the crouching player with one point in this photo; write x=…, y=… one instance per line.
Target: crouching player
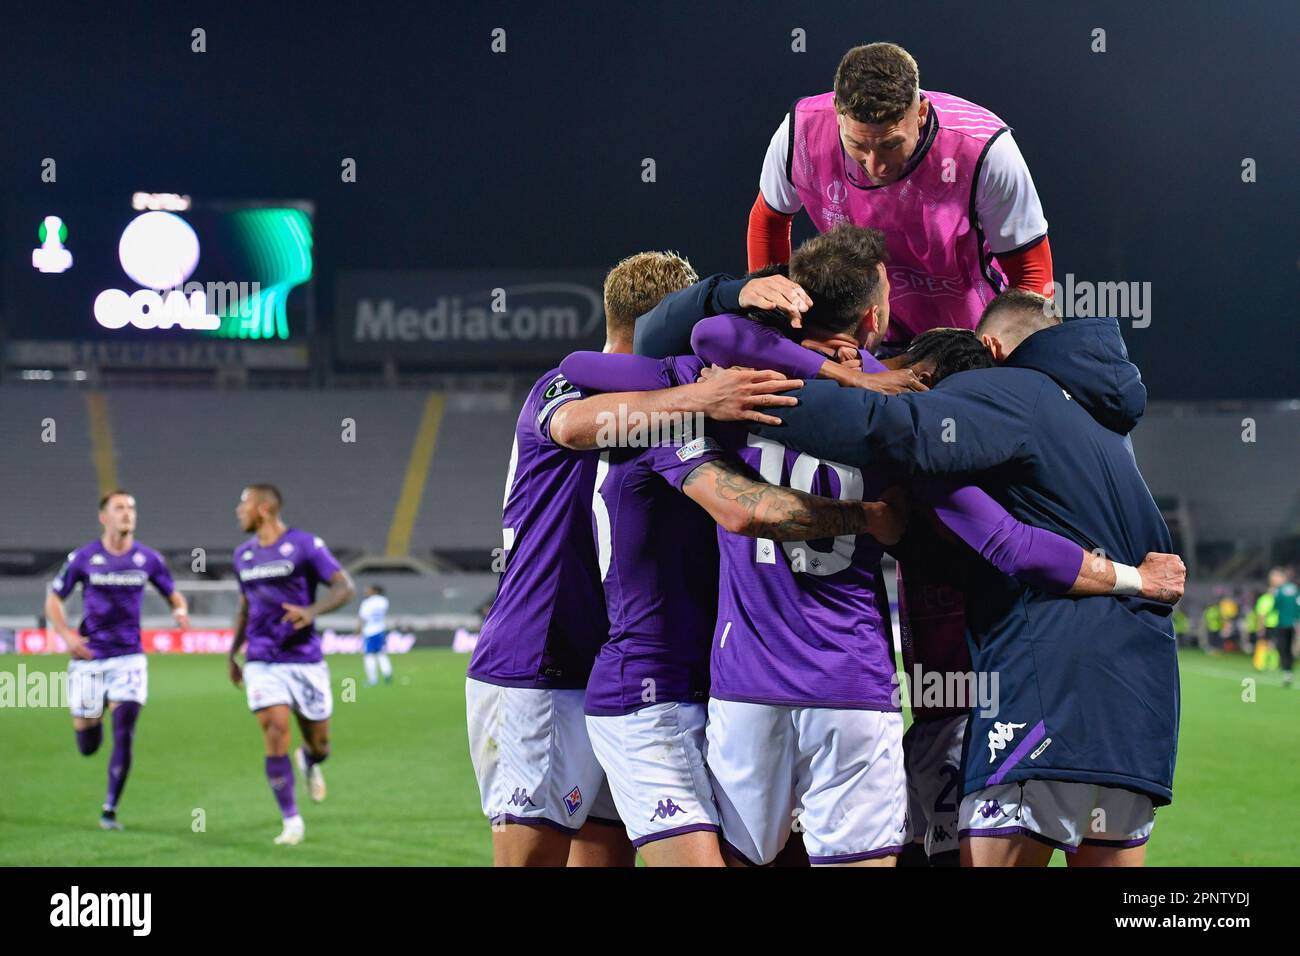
x=279, y=570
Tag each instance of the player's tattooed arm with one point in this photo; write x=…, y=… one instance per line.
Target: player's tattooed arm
x=341, y=591
x=744, y=504
x=241, y=635
x=1162, y=577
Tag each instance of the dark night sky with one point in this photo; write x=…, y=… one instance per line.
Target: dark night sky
x=532, y=159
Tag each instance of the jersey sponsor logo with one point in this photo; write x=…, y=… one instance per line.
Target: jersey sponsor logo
x=1001, y=735
x=904, y=280
x=573, y=801
x=118, y=579
x=666, y=809
x=696, y=448
x=273, y=569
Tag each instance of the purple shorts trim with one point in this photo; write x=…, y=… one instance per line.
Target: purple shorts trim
x=602, y=821
x=1118, y=844
x=1013, y=831
x=855, y=857
x=533, y=822
x=732, y=851
x=675, y=831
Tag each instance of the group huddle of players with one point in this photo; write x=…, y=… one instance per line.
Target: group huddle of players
x=691, y=651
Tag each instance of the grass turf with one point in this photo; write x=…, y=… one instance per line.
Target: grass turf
x=401, y=791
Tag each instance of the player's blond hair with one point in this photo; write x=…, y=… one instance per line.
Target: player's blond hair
x=876, y=83
x=635, y=286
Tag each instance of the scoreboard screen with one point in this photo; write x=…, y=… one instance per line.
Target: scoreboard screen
x=158, y=267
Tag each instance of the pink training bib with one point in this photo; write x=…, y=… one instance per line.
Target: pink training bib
x=941, y=272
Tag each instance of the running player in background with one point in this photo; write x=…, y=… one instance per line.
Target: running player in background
x=108, y=661
x=373, y=610
x=279, y=571
x=940, y=176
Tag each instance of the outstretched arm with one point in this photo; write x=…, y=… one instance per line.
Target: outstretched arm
x=736, y=340
x=1044, y=559
x=743, y=504
x=974, y=421
x=588, y=423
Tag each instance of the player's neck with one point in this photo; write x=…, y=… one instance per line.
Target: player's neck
x=270, y=532
x=117, y=543
x=618, y=346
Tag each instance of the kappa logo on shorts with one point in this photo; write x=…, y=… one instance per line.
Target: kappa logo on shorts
x=520, y=798
x=665, y=810
x=573, y=801
x=1001, y=735
x=991, y=808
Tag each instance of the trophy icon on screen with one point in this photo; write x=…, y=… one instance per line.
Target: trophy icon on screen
x=51, y=256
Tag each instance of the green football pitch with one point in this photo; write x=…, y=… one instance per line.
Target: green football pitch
x=401, y=791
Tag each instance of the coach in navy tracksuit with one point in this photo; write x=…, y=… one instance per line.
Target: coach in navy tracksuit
x=1082, y=746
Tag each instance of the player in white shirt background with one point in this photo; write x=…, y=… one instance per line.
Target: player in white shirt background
x=374, y=608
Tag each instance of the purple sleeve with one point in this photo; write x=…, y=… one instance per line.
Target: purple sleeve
x=1037, y=557
x=614, y=372
x=543, y=402
x=162, y=577
x=735, y=340
x=323, y=563
x=66, y=580
x=675, y=463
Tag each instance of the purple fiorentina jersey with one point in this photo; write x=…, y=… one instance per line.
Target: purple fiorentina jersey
x=112, y=588
x=548, y=619
x=659, y=561
x=819, y=636
x=286, y=571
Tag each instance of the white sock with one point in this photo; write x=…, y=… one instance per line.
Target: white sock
x=370, y=669
x=385, y=666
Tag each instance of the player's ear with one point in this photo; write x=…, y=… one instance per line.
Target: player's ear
x=923, y=111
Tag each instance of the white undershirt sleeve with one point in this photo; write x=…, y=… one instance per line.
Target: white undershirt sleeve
x=778, y=192
x=1006, y=200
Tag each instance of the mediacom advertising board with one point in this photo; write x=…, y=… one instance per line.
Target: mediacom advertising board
x=483, y=318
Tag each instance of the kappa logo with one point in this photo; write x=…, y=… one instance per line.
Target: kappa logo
x=991, y=808
x=1000, y=736
x=520, y=798
x=665, y=810
x=573, y=801
x=98, y=559
x=247, y=555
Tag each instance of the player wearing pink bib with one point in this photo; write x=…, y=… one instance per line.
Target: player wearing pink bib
x=941, y=177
